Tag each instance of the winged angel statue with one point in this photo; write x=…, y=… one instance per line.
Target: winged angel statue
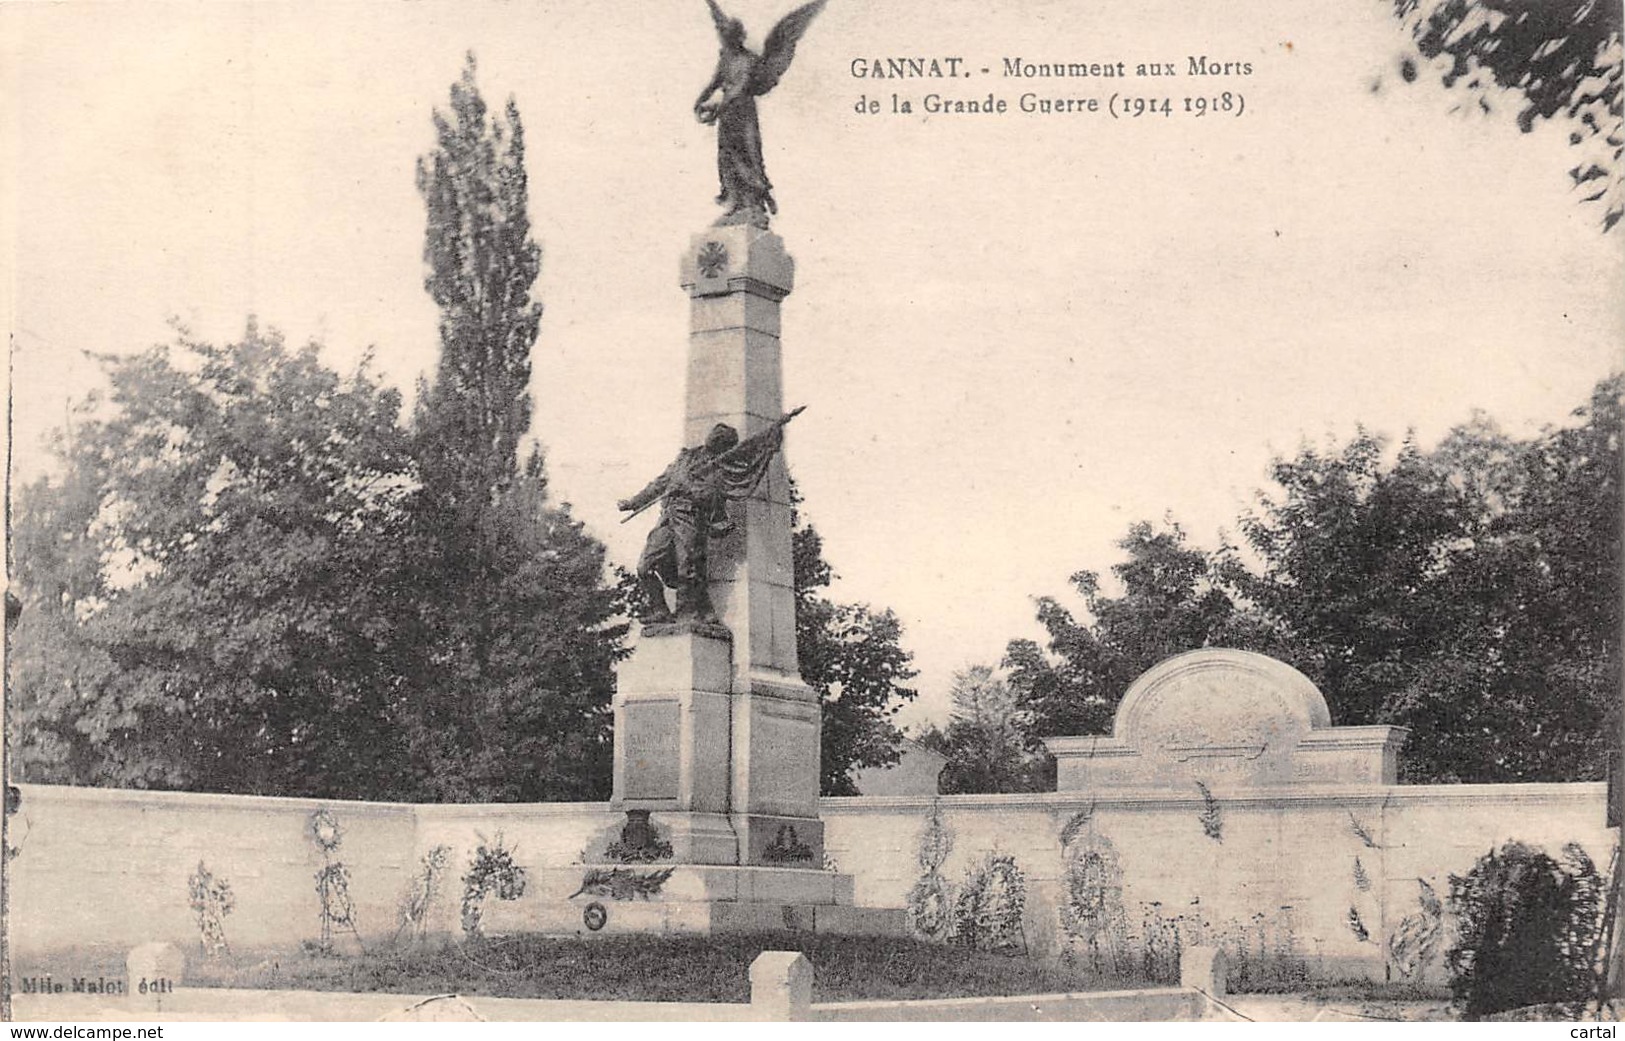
x=742, y=76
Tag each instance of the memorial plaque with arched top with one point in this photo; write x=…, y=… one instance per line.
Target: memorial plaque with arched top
x=1236, y=717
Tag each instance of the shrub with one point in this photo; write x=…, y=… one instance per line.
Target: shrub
x=1527, y=929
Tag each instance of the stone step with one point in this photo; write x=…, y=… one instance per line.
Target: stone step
x=690, y=882
x=602, y=916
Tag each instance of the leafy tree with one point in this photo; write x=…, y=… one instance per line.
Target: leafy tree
x=1175, y=598
x=988, y=740
x=1562, y=57
x=519, y=633
x=208, y=586
x=853, y=656
x=253, y=579
x=481, y=263
x=1471, y=594
x=1355, y=554
x=1523, y=682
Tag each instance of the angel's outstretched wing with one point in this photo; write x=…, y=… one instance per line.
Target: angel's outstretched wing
x=781, y=46
x=719, y=17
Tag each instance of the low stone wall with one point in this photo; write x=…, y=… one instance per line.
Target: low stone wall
x=100, y=871
x=1166, y=1005
x=1336, y=880
x=206, y=1004
x=1332, y=878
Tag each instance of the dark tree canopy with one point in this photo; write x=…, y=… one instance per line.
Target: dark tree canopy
x=1562, y=58
x=208, y=586
x=853, y=656
x=252, y=578
x=1175, y=598
x=518, y=631
x=482, y=264
x=1470, y=593
x=1354, y=555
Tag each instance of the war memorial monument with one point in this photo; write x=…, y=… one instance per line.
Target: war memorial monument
x=716, y=735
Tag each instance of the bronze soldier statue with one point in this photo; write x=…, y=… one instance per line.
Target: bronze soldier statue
x=694, y=493
x=741, y=77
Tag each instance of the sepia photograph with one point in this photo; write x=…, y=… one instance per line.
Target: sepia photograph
x=837, y=511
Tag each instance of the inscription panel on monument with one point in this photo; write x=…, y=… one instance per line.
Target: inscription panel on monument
x=784, y=758
x=651, y=744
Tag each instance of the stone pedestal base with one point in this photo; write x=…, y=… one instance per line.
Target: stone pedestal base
x=616, y=899
x=751, y=839
x=731, y=776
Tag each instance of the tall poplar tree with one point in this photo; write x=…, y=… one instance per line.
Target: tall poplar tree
x=482, y=263
x=518, y=633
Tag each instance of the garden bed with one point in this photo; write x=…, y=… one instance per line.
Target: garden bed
x=657, y=968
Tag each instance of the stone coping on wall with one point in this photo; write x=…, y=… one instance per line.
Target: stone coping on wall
x=183, y=801
x=1103, y=746
x=460, y=810
x=1520, y=794
x=1536, y=793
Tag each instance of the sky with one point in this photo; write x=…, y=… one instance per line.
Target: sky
x=1015, y=335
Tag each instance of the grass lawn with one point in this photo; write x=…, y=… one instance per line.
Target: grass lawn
x=653, y=968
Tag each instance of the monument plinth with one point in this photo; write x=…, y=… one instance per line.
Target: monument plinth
x=720, y=736
x=717, y=738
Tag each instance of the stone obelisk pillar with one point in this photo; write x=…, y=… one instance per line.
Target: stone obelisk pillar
x=719, y=737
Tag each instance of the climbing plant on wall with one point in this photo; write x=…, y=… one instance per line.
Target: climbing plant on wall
x=1091, y=909
x=990, y=905
x=930, y=901
x=337, y=909
x=1414, y=942
x=1211, y=817
x=211, y=901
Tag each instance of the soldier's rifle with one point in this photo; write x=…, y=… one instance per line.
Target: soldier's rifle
x=716, y=461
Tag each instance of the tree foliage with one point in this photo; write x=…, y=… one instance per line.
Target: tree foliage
x=1355, y=552
x=1175, y=598
x=1523, y=681
x=517, y=634
x=482, y=263
x=1562, y=58
x=253, y=578
x=209, y=585
x=853, y=656
x=988, y=741
x=1470, y=593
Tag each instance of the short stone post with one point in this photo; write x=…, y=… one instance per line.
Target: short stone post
x=781, y=985
x=1205, y=969
x=153, y=971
